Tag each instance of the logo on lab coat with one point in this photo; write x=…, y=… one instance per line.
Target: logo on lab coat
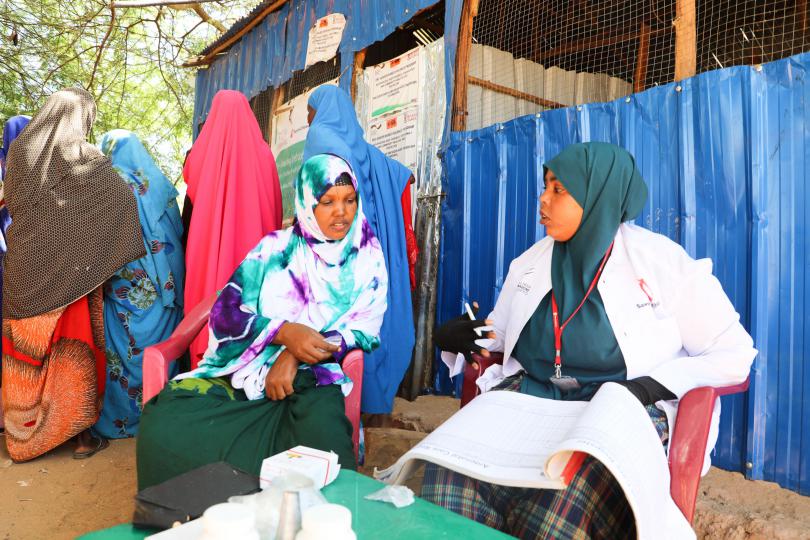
x=525, y=285
x=646, y=290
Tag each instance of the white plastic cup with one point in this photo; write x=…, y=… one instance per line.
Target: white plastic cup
x=229, y=520
x=331, y=521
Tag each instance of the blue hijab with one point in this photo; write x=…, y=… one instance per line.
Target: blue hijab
x=11, y=130
x=143, y=301
x=382, y=180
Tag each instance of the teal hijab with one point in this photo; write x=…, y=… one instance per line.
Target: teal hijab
x=603, y=179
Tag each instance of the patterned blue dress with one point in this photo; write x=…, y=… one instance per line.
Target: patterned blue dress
x=143, y=301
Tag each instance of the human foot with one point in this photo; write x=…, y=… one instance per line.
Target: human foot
x=87, y=445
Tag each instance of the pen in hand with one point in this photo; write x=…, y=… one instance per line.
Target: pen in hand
x=471, y=315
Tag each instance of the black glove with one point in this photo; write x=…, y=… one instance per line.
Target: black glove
x=647, y=390
x=458, y=336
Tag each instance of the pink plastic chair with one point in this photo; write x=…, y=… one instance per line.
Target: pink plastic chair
x=687, y=445
x=158, y=358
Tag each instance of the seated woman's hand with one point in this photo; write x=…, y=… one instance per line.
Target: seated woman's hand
x=279, y=381
x=459, y=335
x=305, y=344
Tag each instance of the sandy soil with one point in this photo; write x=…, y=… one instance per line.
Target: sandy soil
x=57, y=497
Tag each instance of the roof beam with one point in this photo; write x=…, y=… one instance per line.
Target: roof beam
x=149, y=3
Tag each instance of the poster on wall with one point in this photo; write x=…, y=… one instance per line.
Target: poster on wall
x=324, y=38
x=393, y=117
x=289, y=135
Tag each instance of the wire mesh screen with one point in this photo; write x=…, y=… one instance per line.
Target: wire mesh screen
x=740, y=32
x=530, y=55
x=307, y=79
x=262, y=107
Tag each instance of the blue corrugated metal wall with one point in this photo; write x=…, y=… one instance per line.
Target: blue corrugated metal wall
x=726, y=155
x=268, y=54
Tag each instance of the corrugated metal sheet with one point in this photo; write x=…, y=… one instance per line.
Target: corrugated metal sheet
x=726, y=156
x=237, y=26
x=268, y=54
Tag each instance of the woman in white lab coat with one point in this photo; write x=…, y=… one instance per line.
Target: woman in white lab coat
x=598, y=300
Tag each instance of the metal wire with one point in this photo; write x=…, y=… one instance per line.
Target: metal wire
x=315, y=75
x=745, y=32
x=262, y=107
x=532, y=55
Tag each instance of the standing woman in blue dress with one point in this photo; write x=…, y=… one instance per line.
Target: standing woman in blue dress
x=143, y=301
x=334, y=129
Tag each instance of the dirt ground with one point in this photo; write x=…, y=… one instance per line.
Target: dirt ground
x=56, y=497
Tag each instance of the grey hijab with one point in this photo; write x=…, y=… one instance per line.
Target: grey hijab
x=74, y=220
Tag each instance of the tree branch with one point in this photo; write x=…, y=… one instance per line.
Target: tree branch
x=101, y=48
x=147, y=3
x=207, y=18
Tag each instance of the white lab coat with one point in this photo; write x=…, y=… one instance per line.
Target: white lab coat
x=671, y=318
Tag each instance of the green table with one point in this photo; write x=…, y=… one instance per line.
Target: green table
x=371, y=520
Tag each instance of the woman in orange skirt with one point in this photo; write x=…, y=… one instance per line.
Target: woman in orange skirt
x=74, y=223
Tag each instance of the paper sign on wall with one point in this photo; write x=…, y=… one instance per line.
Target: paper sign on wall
x=393, y=116
x=324, y=38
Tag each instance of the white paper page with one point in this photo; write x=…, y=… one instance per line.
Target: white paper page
x=617, y=431
x=502, y=437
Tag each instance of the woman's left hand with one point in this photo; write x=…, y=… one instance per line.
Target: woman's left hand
x=279, y=381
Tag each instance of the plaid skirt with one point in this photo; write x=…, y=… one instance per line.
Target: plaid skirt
x=593, y=506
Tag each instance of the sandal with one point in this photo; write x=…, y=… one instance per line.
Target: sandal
x=102, y=444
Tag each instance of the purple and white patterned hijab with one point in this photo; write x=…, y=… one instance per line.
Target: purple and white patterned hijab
x=298, y=275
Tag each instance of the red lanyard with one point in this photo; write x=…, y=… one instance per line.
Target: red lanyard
x=558, y=330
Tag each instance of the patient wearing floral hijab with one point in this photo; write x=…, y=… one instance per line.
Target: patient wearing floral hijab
x=269, y=379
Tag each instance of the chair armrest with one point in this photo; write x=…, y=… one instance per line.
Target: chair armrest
x=687, y=445
x=158, y=357
x=468, y=388
x=353, y=368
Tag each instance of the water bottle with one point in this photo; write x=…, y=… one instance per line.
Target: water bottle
x=289, y=521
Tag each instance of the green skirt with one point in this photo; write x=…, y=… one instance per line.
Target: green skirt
x=193, y=422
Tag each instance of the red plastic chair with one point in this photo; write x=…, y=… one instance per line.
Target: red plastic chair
x=158, y=358
x=687, y=445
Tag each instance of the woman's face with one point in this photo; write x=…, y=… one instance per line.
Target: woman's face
x=559, y=212
x=335, y=211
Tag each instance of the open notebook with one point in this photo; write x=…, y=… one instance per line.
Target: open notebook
x=513, y=439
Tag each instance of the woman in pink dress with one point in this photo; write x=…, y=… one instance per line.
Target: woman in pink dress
x=234, y=189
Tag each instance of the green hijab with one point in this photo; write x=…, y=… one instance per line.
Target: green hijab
x=603, y=179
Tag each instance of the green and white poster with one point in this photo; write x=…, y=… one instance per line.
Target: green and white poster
x=393, y=108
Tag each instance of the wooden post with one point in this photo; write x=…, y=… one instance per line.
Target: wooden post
x=468, y=12
x=278, y=99
x=357, y=71
x=685, y=39
x=642, y=58
x=801, y=8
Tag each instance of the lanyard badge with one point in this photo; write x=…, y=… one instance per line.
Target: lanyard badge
x=564, y=382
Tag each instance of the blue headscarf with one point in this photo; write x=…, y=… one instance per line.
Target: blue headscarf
x=335, y=130
x=11, y=130
x=143, y=301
